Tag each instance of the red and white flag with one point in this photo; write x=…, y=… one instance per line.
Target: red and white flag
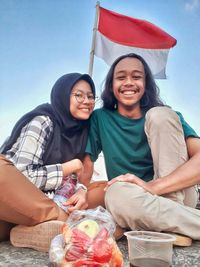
x=118, y=34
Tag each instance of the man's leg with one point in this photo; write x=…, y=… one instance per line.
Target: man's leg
x=134, y=208
x=166, y=140
x=96, y=194
x=95, y=198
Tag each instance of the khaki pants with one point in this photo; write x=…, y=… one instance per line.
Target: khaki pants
x=136, y=209
x=21, y=202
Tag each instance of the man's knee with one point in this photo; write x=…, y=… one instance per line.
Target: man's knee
x=159, y=116
x=123, y=198
x=131, y=206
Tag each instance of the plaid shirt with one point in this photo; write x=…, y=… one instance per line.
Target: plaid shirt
x=26, y=154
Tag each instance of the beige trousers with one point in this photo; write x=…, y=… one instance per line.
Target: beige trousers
x=134, y=208
x=21, y=202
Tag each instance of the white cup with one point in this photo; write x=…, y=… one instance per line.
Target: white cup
x=150, y=249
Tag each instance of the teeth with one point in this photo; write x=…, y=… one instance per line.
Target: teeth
x=85, y=109
x=129, y=92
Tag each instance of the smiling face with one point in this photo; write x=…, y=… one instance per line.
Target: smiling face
x=129, y=86
x=81, y=100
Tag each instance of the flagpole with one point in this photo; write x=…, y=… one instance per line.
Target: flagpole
x=93, y=39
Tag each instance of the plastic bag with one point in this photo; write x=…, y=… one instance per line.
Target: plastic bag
x=86, y=241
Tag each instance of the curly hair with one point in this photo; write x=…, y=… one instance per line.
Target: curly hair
x=151, y=97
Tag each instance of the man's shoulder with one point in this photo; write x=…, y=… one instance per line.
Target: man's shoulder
x=101, y=111
x=101, y=115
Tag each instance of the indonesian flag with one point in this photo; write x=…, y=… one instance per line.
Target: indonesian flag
x=118, y=35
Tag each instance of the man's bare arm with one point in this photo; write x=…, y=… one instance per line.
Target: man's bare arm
x=184, y=176
x=88, y=165
x=187, y=175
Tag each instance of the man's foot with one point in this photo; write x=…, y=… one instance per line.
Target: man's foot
x=181, y=240
x=119, y=233
x=37, y=237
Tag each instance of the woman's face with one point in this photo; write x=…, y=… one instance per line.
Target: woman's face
x=82, y=100
x=129, y=83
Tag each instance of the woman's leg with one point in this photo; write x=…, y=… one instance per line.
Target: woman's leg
x=21, y=202
x=168, y=147
x=5, y=228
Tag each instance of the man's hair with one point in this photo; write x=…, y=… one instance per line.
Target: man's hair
x=151, y=97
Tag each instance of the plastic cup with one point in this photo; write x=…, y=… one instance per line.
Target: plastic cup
x=150, y=249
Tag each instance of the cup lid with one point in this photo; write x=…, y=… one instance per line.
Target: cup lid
x=150, y=236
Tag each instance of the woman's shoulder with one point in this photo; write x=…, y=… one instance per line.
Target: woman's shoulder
x=42, y=119
x=42, y=122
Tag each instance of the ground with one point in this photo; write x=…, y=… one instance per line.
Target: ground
x=11, y=257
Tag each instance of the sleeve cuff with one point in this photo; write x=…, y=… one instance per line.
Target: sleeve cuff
x=80, y=186
x=54, y=176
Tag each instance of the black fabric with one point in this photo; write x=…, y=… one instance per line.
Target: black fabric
x=69, y=137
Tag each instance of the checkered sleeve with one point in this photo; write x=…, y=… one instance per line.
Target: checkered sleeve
x=27, y=154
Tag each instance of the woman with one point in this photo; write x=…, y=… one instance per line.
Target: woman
x=151, y=155
x=46, y=145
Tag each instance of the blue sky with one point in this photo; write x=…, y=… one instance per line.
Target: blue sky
x=40, y=40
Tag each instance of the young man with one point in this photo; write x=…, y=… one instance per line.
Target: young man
x=151, y=155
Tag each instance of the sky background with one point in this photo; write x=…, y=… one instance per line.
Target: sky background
x=40, y=40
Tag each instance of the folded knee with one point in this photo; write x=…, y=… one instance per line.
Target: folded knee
x=159, y=116
x=122, y=197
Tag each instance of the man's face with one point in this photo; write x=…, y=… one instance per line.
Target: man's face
x=129, y=83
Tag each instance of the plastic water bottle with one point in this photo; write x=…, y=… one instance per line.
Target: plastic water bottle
x=65, y=191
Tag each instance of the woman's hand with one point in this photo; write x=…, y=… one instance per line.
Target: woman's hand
x=72, y=166
x=131, y=178
x=78, y=201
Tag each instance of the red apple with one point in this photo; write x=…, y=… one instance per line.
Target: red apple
x=80, y=242
x=116, y=259
x=102, y=247
x=86, y=263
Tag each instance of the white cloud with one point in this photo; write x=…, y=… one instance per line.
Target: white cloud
x=192, y=5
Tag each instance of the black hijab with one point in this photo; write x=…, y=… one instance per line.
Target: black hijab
x=69, y=136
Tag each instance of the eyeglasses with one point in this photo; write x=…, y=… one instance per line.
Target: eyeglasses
x=80, y=97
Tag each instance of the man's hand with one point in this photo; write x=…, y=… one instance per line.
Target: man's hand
x=78, y=201
x=131, y=178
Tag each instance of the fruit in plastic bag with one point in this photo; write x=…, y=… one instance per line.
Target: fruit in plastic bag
x=88, y=241
x=102, y=247
x=90, y=227
x=116, y=259
x=79, y=245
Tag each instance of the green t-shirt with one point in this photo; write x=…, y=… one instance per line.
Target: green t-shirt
x=124, y=143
